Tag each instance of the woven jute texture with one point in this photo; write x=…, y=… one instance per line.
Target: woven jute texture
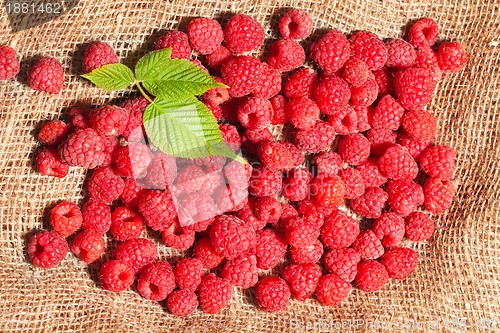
x=457, y=280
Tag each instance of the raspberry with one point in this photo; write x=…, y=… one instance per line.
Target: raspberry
x=414, y=87
x=215, y=109
x=365, y=94
x=296, y=184
x=264, y=182
x=313, y=213
x=389, y=228
x=368, y=245
x=301, y=232
x=296, y=25
x=354, y=149
x=83, y=148
x=97, y=55
x=371, y=174
x=230, y=199
x=387, y=114
x=52, y=133
x=342, y=262
x=47, y=249
x=137, y=252
x=371, y=203
x=218, y=58
x=354, y=183
x=269, y=83
x=126, y=223
x=116, y=275
x=328, y=191
x=109, y=120
x=272, y=294
x=363, y=115
x=156, y=281
x=194, y=208
x=315, y=139
x=302, y=83
x=247, y=214
x=255, y=113
x=404, y=196
x=161, y=171
x=205, y=252
x=418, y=226
x=9, y=65
x=371, y=276
x=339, y=230
x=237, y=174
x=182, y=302
x=243, y=34
x=380, y=140
x=253, y=138
x=188, y=273
x=438, y=195
x=452, y=57
x=177, y=41
x=205, y=35
x=427, y=58
x=277, y=156
x=268, y=209
x=331, y=52
x=230, y=136
x=241, y=271
x=368, y=47
x=415, y=148
x=88, y=245
x=302, y=112
x=65, y=218
x=328, y=163
x=286, y=55
x=46, y=75
x=135, y=108
x=399, y=262
x=401, y=54
x=332, y=94
x=109, y=150
x=158, y=209
x=384, y=79
x=438, y=161
x=302, y=279
x=96, y=216
x=270, y=249
x=104, y=185
x=307, y=253
x=278, y=104
x=133, y=160
x=397, y=163
x=423, y=33
x=49, y=163
x=355, y=72
x=231, y=237
x=190, y=178
x=331, y=289
x=214, y=293
x=420, y=125
x=132, y=192
x=79, y=116
x=178, y=237
x=288, y=213
x=344, y=121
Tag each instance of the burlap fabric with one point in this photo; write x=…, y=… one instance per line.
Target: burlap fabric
x=457, y=281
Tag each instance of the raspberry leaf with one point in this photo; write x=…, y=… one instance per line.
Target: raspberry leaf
x=111, y=77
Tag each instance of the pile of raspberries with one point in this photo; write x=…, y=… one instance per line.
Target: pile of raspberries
x=319, y=212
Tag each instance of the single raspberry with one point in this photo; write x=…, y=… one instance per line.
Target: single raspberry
x=438, y=161
x=418, y=226
x=230, y=136
x=268, y=209
x=178, y=237
x=353, y=182
x=110, y=148
x=399, y=262
x=97, y=55
x=205, y=35
x=52, y=133
x=278, y=104
x=277, y=156
x=88, y=245
x=82, y=148
x=188, y=273
x=384, y=79
x=389, y=228
x=297, y=156
x=371, y=276
x=380, y=140
x=342, y=262
x=182, y=302
x=65, y=218
x=328, y=191
x=296, y=25
x=414, y=87
x=332, y=289
x=133, y=160
x=296, y=184
x=363, y=116
x=190, y=178
x=302, y=83
x=397, y=163
x=126, y=223
x=231, y=237
x=371, y=203
x=313, y=213
x=438, y=195
x=176, y=40
x=272, y=294
x=270, y=249
x=354, y=149
x=339, y=230
x=137, y=252
x=452, y=57
x=237, y=174
x=328, y=163
x=368, y=47
x=116, y=275
x=414, y=147
x=79, y=117
x=218, y=57
x=269, y=83
x=332, y=94
x=368, y=245
x=109, y=120
x=344, y=121
x=156, y=281
x=49, y=163
x=286, y=55
x=365, y=94
x=247, y=214
x=307, y=253
x=9, y=65
x=387, y=114
x=331, y=52
x=420, y=125
x=132, y=192
x=214, y=293
x=135, y=108
x=255, y=113
x=241, y=271
x=371, y=174
x=47, y=249
x=264, y=182
x=404, y=196
x=193, y=209
x=243, y=33
x=158, y=209
x=302, y=279
x=96, y=216
x=355, y=72
x=46, y=75
x=401, y=54
x=161, y=171
x=302, y=112
x=301, y=232
x=423, y=33
x=315, y=139
x=104, y=185
x=205, y=252
x=288, y=212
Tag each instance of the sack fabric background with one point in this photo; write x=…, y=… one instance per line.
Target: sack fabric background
x=459, y=268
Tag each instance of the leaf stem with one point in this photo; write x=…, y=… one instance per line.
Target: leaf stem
x=143, y=92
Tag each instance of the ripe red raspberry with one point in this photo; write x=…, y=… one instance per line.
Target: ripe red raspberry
x=46, y=75
x=355, y=72
x=230, y=136
x=205, y=35
x=255, y=113
x=268, y=209
x=88, y=245
x=331, y=289
x=423, y=33
x=178, y=237
x=158, y=209
x=264, y=182
x=387, y=114
x=104, y=185
x=132, y=192
x=328, y=191
x=116, y=275
x=302, y=83
x=237, y=174
x=371, y=276
x=253, y=138
x=331, y=52
x=97, y=55
x=288, y=213
x=52, y=133
x=190, y=178
x=156, y=281
x=427, y=58
x=296, y=25
x=286, y=55
x=65, y=218
x=364, y=95
x=371, y=174
x=214, y=293
x=109, y=120
x=418, y=226
x=194, y=208
x=368, y=245
x=345, y=121
x=96, y=216
x=47, y=249
x=177, y=41
x=137, y=252
x=229, y=199
x=109, y=150
x=247, y=214
x=279, y=156
x=188, y=273
x=397, y=163
x=215, y=109
x=328, y=163
x=218, y=57
x=133, y=160
x=301, y=232
x=307, y=253
x=389, y=228
x=371, y=203
x=270, y=249
x=231, y=237
x=384, y=79
x=296, y=184
x=243, y=33
x=161, y=171
x=339, y=230
x=380, y=140
x=315, y=139
x=278, y=104
x=135, y=108
x=9, y=65
x=354, y=149
x=302, y=112
x=399, y=262
x=79, y=116
x=126, y=223
x=363, y=115
x=438, y=161
x=420, y=125
x=452, y=57
x=404, y=196
x=49, y=163
x=302, y=279
x=182, y=302
x=205, y=252
x=313, y=213
x=241, y=271
x=342, y=262
x=401, y=54
x=414, y=147
x=368, y=47
x=438, y=195
x=272, y=294
x=269, y=83
x=332, y=94
x=353, y=182
x=414, y=87
x=83, y=148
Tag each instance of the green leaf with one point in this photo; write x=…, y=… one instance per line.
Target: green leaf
x=111, y=77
